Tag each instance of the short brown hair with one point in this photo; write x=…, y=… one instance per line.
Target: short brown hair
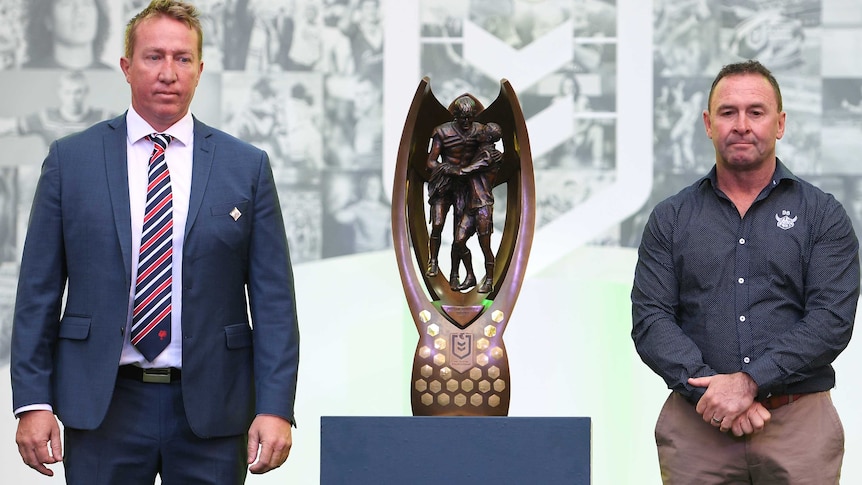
x=750, y=66
x=175, y=9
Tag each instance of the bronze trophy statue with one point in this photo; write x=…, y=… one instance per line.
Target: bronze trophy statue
x=460, y=366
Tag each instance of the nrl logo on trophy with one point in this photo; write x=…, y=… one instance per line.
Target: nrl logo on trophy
x=451, y=163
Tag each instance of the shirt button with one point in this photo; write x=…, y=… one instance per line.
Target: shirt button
x=742, y=240
x=742, y=318
x=746, y=360
x=741, y=280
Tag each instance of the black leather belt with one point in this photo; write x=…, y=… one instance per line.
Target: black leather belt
x=163, y=375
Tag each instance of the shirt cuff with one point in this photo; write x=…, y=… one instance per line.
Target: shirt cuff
x=33, y=407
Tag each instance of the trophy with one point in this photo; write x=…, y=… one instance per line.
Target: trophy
x=449, y=161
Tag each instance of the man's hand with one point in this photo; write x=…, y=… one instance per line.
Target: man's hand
x=451, y=169
x=37, y=430
x=727, y=397
x=269, y=442
x=752, y=420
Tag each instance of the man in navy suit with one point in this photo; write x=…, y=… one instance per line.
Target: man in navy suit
x=220, y=395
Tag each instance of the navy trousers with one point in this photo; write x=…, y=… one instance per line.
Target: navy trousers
x=146, y=434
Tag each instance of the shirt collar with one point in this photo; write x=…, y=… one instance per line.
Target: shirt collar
x=781, y=173
x=137, y=128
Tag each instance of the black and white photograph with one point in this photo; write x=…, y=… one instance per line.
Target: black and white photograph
x=594, y=18
x=595, y=68
x=366, y=212
x=302, y=209
x=8, y=281
x=783, y=35
x=281, y=113
x=561, y=88
x=356, y=214
x=853, y=200
x=57, y=103
x=8, y=215
x=74, y=103
x=442, y=19
x=519, y=22
x=362, y=23
x=591, y=146
x=681, y=144
x=842, y=124
x=562, y=190
x=686, y=35
x=353, y=131
x=12, y=43
x=803, y=105
x=69, y=34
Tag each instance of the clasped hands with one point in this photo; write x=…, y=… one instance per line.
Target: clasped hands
x=729, y=404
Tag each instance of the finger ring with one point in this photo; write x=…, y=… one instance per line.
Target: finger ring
x=715, y=420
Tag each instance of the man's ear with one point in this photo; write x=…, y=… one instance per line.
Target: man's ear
x=124, y=66
x=707, y=123
x=782, y=118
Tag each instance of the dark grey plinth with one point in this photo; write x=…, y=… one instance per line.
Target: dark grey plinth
x=454, y=450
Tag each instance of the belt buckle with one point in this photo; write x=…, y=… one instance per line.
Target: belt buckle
x=157, y=376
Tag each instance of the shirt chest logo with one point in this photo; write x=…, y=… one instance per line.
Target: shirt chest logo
x=785, y=221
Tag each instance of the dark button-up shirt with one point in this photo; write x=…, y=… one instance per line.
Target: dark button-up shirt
x=772, y=294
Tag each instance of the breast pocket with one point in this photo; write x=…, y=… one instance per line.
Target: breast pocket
x=230, y=225
x=233, y=210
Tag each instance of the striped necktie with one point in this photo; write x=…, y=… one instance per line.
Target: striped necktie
x=151, y=317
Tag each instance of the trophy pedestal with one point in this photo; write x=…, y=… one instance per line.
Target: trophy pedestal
x=438, y=450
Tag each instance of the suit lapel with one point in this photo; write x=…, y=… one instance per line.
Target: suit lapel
x=201, y=167
x=117, y=169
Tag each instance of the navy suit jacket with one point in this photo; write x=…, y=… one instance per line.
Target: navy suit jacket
x=79, y=236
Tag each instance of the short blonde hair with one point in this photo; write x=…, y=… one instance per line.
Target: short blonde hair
x=175, y=9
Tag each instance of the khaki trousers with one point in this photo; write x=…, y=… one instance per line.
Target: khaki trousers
x=802, y=444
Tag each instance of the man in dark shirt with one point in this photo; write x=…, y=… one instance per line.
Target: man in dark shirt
x=745, y=292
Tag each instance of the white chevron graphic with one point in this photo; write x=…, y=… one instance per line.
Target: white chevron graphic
x=551, y=126
x=523, y=67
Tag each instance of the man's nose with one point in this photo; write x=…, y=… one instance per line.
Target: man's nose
x=167, y=74
x=741, y=124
